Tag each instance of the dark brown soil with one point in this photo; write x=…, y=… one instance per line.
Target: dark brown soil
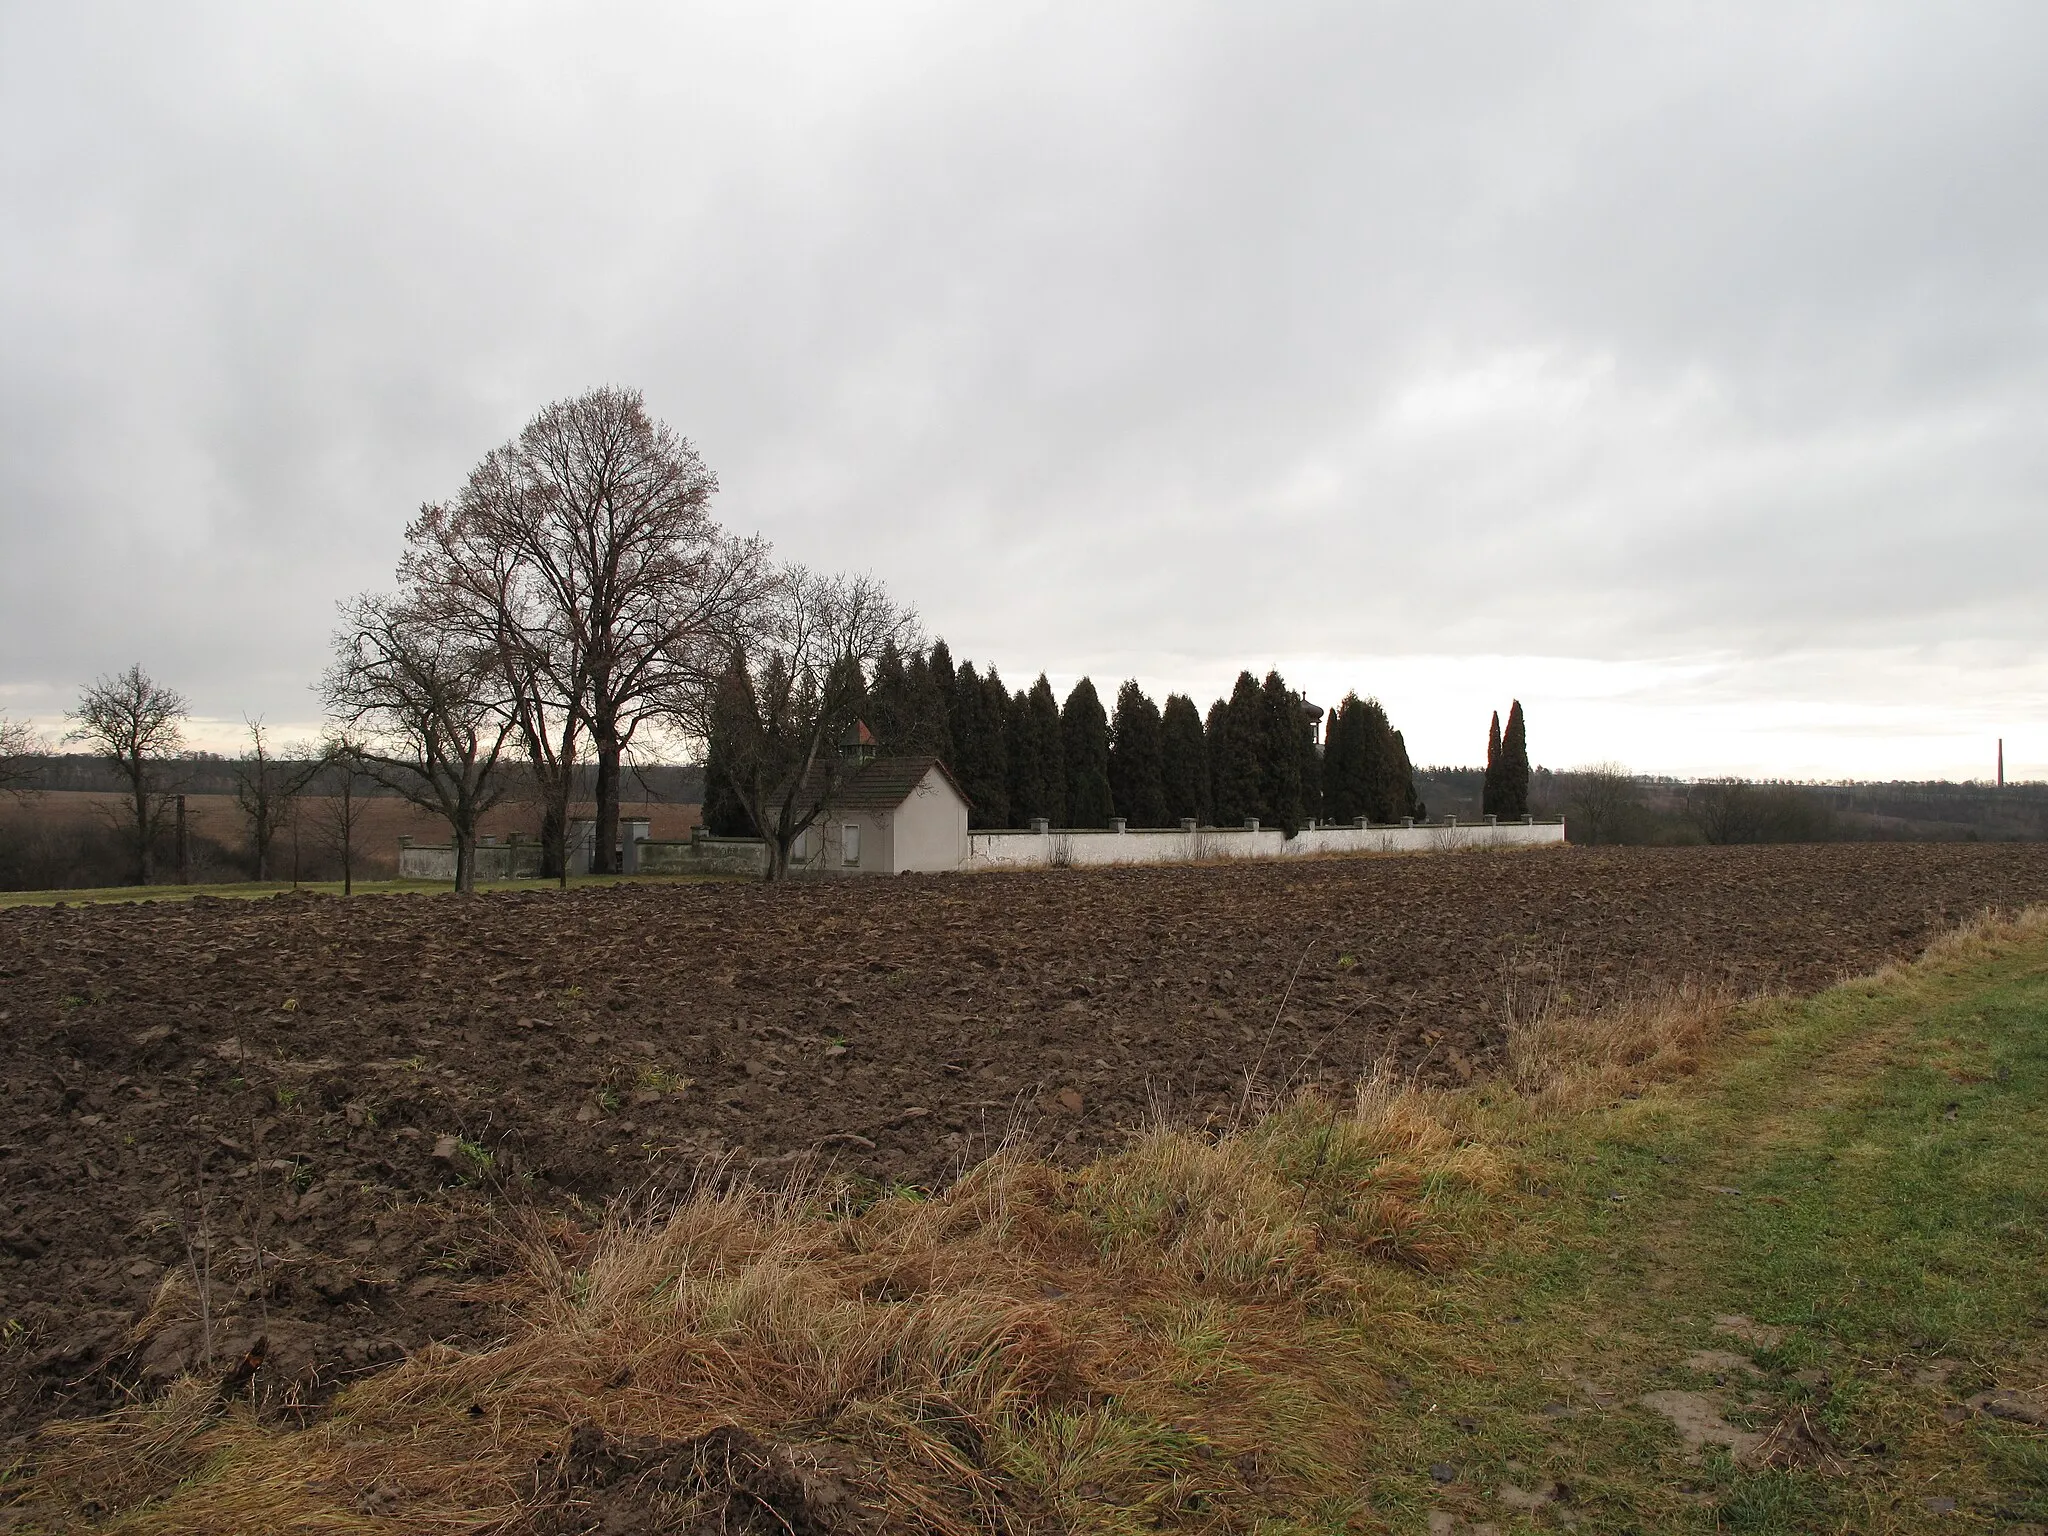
x=323, y=1110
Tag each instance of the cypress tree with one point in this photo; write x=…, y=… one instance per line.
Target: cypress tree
x=1235, y=755
x=1347, y=786
x=1489, y=794
x=1084, y=733
x=978, y=762
x=1311, y=769
x=724, y=814
x=1215, y=729
x=1279, y=750
x=1401, y=778
x=1049, y=742
x=892, y=711
x=1513, y=789
x=1183, y=761
x=1027, y=772
x=1137, y=784
x=995, y=710
x=1386, y=778
x=929, y=699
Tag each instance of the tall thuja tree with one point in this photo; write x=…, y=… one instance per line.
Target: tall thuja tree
x=1236, y=737
x=996, y=710
x=938, y=708
x=892, y=711
x=1311, y=757
x=1387, y=780
x=1049, y=745
x=1137, y=782
x=1347, y=785
x=978, y=763
x=1401, y=778
x=1027, y=770
x=1183, y=761
x=1084, y=741
x=725, y=814
x=1489, y=794
x=1513, y=788
x=924, y=728
x=1279, y=728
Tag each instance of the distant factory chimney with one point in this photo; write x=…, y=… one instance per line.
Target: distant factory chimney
x=2001, y=762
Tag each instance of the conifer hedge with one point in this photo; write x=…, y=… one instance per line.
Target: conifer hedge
x=1084, y=739
x=1137, y=785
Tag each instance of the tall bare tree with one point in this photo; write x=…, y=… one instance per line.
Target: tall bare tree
x=266, y=790
x=780, y=705
x=134, y=722
x=427, y=709
x=20, y=747
x=585, y=552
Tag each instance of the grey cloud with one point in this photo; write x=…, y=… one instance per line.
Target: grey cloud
x=1216, y=334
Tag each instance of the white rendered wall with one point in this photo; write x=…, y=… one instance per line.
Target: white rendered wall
x=1039, y=850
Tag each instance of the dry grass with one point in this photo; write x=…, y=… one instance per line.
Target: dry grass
x=1194, y=1333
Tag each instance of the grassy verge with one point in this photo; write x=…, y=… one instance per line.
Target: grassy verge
x=1691, y=1267
x=251, y=890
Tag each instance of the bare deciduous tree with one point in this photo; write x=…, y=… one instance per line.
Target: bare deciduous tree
x=584, y=553
x=426, y=708
x=341, y=761
x=780, y=705
x=266, y=790
x=134, y=722
x=20, y=746
x=1601, y=798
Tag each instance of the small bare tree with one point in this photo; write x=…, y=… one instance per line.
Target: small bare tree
x=341, y=759
x=134, y=722
x=20, y=747
x=779, y=709
x=427, y=709
x=267, y=789
x=1601, y=800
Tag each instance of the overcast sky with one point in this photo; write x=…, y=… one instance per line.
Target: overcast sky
x=1682, y=370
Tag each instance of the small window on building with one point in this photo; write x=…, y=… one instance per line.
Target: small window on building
x=800, y=850
x=849, y=843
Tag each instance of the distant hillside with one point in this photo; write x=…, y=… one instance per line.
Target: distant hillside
x=1936, y=811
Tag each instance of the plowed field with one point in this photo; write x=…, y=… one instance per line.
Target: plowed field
x=320, y=1110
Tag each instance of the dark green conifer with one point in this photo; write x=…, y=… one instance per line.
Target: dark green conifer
x=1235, y=754
x=1137, y=786
x=1347, y=786
x=1311, y=769
x=1513, y=789
x=1279, y=727
x=1489, y=793
x=724, y=814
x=1084, y=733
x=1401, y=779
x=928, y=732
x=978, y=763
x=1183, y=761
x=1027, y=773
x=892, y=712
x=1215, y=729
x=1049, y=741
